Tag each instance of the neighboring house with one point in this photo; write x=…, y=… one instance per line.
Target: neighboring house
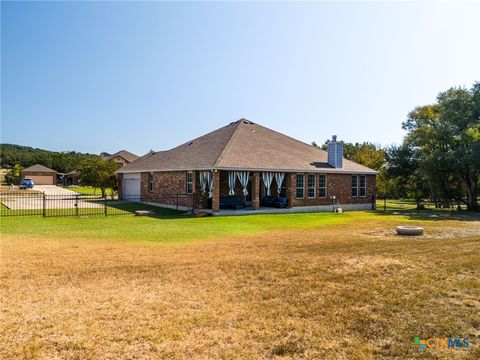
x=70, y=178
x=123, y=157
x=249, y=162
x=41, y=175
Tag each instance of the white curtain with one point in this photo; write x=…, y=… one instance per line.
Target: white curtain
x=203, y=181
x=279, y=176
x=206, y=180
x=210, y=184
x=243, y=178
x=231, y=183
x=267, y=178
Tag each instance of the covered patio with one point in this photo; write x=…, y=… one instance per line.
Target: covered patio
x=243, y=190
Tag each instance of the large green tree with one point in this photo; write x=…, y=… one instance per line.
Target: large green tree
x=446, y=137
x=99, y=173
x=402, y=171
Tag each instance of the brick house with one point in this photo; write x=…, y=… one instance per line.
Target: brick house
x=249, y=164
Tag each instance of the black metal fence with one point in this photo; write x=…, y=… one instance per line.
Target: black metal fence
x=31, y=203
x=424, y=207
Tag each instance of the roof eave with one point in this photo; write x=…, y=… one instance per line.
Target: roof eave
x=322, y=170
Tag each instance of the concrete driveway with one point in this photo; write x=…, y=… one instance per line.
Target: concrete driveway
x=53, y=190
x=56, y=198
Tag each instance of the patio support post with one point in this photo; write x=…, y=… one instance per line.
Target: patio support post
x=216, y=191
x=290, y=183
x=256, y=191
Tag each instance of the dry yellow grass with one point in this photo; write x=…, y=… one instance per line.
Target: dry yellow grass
x=352, y=291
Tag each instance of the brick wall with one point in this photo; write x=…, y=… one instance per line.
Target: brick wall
x=166, y=184
x=173, y=182
x=339, y=185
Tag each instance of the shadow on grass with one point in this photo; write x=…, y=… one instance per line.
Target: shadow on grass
x=129, y=208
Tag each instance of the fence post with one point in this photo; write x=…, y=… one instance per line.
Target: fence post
x=76, y=205
x=177, y=201
x=105, y=204
x=44, y=212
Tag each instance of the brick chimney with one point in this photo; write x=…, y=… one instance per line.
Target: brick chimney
x=335, y=153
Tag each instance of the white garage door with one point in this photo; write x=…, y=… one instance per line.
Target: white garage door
x=131, y=186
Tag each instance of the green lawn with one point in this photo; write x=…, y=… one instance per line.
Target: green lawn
x=171, y=227
x=294, y=286
x=87, y=190
x=396, y=205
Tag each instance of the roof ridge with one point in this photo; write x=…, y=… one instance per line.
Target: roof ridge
x=188, y=142
x=291, y=138
x=236, y=124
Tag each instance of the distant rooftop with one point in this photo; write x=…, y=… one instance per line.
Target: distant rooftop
x=127, y=155
x=39, y=168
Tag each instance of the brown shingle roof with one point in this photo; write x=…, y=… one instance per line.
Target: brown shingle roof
x=39, y=168
x=242, y=145
x=127, y=155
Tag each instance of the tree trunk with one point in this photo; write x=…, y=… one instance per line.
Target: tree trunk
x=472, y=200
x=471, y=192
x=471, y=196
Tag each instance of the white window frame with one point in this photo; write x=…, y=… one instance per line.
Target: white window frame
x=150, y=182
x=189, y=173
x=298, y=187
x=314, y=187
x=354, y=187
x=322, y=187
x=360, y=187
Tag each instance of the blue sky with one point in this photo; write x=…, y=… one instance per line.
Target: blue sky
x=104, y=76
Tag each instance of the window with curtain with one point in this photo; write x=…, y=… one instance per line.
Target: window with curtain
x=322, y=189
x=300, y=186
x=311, y=185
x=189, y=182
x=150, y=181
x=363, y=185
x=355, y=185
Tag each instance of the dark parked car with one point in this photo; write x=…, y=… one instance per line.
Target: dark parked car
x=26, y=184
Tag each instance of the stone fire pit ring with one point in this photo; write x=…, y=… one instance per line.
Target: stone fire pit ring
x=409, y=230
